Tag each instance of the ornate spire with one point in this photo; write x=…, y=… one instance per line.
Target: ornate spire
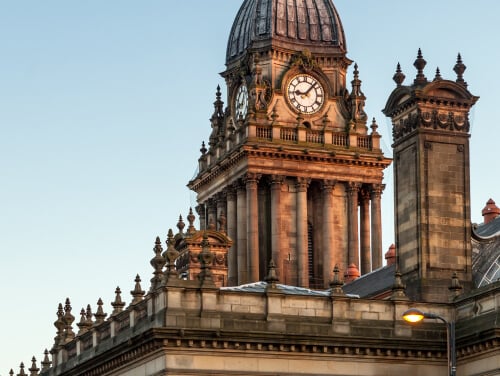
x=99, y=315
x=83, y=325
x=118, y=304
x=206, y=258
x=21, y=370
x=374, y=127
x=203, y=149
x=337, y=283
x=157, y=262
x=459, y=69
x=137, y=293
x=272, y=278
x=357, y=99
x=399, y=76
x=180, y=224
x=191, y=218
x=170, y=255
x=68, y=321
x=438, y=77
x=34, y=369
x=420, y=64
x=46, y=361
x=59, y=324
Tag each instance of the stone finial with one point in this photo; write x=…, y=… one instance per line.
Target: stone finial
x=117, y=304
x=180, y=224
x=420, y=64
x=157, y=262
x=271, y=278
x=59, y=324
x=84, y=324
x=374, y=127
x=88, y=316
x=438, y=77
x=11, y=372
x=170, y=256
x=390, y=255
x=46, y=361
x=399, y=76
x=459, y=69
x=203, y=149
x=356, y=83
x=21, y=370
x=68, y=321
x=336, y=283
x=33, y=369
x=137, y=293
x=455, y=287
x=490, y=211
x=398, y=288
x=351, y=273
x=206, y=259
x=191, y=218
x=99, y=315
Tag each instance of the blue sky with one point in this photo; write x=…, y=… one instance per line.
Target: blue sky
x=103, y=107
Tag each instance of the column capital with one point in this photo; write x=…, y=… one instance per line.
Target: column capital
x=276, y=180
x=231, y=192
x=376, y=190
x=353, y=187
x=251, y=178
x=365, y=193
x=302, y=183
x=200, y=209
x=221, y=196
x=328, y=185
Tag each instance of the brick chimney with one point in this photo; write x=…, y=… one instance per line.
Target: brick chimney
x=490, y=211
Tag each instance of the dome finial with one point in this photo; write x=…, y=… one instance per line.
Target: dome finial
x=420, y=64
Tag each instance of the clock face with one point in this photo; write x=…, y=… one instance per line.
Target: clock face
x=241, y=102
x=305, y=94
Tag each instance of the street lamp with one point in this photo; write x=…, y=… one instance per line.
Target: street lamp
x=414, y=316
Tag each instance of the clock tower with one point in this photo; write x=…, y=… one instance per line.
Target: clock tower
x=292, y=166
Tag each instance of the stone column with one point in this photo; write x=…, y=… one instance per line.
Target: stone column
x=376, y=195
x=366, y=262
x=302, y=247
x=251, y=180
x=353, y=252
x=232, y=256
x=328, y=244
x=200, y=209
x=241, y=233
x=278, y=257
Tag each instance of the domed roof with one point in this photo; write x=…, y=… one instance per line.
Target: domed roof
x=299, y=24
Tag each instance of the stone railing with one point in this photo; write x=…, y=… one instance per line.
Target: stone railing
x=328, y=137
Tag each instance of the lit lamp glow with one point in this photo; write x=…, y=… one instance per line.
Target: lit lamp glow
x=414, y=316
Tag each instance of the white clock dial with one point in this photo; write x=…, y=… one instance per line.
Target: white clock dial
x=241, y=102
x=305, y=94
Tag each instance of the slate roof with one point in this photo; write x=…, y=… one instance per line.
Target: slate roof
x=486, y=253
x=372, y=284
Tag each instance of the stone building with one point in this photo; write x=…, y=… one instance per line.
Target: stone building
x=289, y=189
